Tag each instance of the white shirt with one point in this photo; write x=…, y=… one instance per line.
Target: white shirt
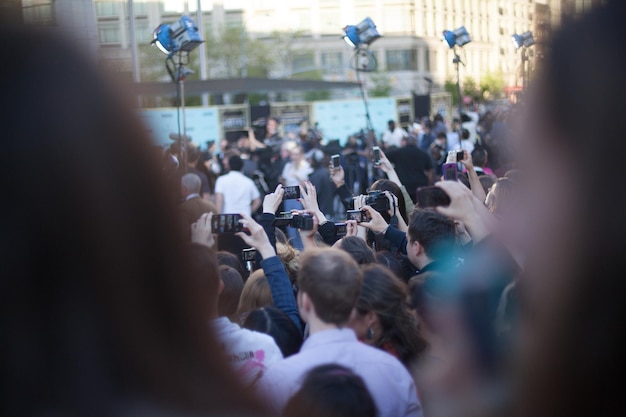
x=386, y=378
x=250, y=353
x=294, y=176
x=238, y=191
x=394, y=138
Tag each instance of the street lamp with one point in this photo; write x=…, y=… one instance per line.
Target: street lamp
x=359, y=37
x=523, y=42
x=177, y=40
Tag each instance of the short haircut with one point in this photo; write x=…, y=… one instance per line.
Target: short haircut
x=235, y=163
x=442, y=135
x=274, y=322
x=233, y=286
x=191, y=182
x=434, y=231
x=332, y=391
x=479, y=156
x=234, y=261
x=358, y=249
x=332, y=279
x=391, y=261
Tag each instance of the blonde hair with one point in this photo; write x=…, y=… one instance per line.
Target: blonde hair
x=256, y=294
x=289, y=256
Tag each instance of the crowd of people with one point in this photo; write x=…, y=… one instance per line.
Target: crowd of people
x=437, y=276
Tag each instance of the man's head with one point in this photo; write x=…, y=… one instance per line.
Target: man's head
x=272, y=126
x=392, y=125
x=441, y=138
x=431, y=236
x=329, y=281
x=190, y=184
x=229, y=298
x=235, y=163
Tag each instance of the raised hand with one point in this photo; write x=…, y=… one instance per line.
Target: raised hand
x=201, y=231
x=272, y=201
x=257, y=238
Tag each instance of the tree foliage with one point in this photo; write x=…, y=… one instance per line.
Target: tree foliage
x=381, y=84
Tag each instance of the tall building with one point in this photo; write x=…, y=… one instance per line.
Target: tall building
x=410, y=52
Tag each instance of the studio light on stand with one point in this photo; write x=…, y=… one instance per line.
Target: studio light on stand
x=457, y=39
x=523, y=42
x=177, y=40
x=360, y=37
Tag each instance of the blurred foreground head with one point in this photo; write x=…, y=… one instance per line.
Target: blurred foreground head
x=573, y=293
x=99, y=314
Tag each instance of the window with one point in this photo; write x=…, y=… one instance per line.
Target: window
x=109, y=33
x=401, y=60
x=302, y=62
x=107, y=9
x=38, y=12
x=332, y=63
x=143, y=33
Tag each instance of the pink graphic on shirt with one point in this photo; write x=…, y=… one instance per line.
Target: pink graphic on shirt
x=253, y=365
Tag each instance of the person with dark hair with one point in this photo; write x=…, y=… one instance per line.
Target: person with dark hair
x=320, y=178
x=429, y=242
x=234, y=192
x=381, y=317
x=249, y=353
x=331, y=391
x=390, y=261
x=234, y=261
x=357, y=249
x=393, y=136
x=487, y=181
x=329, y=282
x=193, y=158
x=479, y=160
x=100, y=312
x=272, y=321
x=439, y=152
x=229, y=298
x=414, y=166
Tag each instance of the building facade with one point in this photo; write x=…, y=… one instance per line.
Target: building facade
x=410, y=53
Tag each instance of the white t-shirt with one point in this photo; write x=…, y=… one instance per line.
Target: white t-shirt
x=250, y=353
x=238, y=191
x=394, y=138
x=294, y=176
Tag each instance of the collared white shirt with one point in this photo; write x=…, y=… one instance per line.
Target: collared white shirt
x=238, y=191
x=386, y=378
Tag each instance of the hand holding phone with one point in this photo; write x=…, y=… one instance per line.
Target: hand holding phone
x=376, y=158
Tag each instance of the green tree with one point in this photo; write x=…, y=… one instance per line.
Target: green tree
x=450, y=87
x=381, y=84
x=492, y=86
x=471, y=88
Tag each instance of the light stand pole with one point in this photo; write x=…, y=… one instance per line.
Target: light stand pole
x=358, y=68
x=178, y=74
x=525, y=75
x=457, y=62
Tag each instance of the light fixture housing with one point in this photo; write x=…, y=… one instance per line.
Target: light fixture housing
x=364, y=33
x=458, y=37
x=526, y=40
x=181, y=35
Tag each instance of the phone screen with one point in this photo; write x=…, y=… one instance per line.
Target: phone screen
x=291, y=193
x=226, y=223
x=376, y=150
x=450, y=172
x=336, y=161
x=432, y=197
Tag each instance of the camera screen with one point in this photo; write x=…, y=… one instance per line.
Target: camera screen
x=291, y=193
x=226, y=223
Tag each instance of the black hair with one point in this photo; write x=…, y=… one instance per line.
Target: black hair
x=442, y=135
x=274, y=322
x=358, y=249
x=434, y=231
x=235, y=163
x=391, y=261
x=332, y=391
x=479, y=156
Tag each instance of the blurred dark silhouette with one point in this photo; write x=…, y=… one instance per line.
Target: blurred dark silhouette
x=99, y=314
